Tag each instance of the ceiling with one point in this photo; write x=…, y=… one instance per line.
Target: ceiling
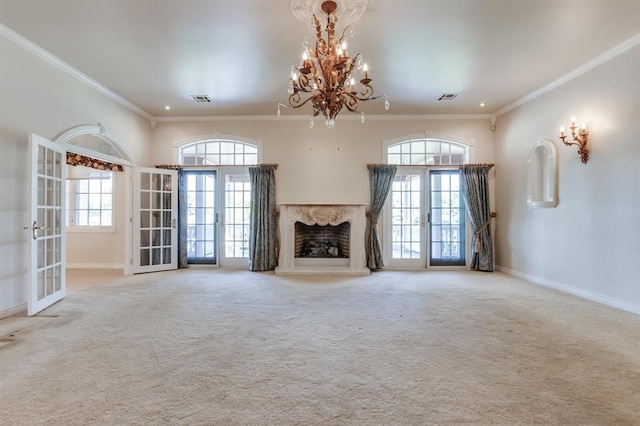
x=239, y=52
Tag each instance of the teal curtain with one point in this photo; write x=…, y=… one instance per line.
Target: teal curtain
x=182, y=219
x=474, y=186
x=380, y=182
x=263, y=221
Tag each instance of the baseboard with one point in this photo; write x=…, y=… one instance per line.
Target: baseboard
x=18, y=309
x=585, y=294
x=72, y=265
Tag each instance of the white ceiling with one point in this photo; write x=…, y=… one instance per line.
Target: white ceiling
x=239, y=52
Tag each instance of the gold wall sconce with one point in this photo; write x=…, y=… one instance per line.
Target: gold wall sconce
x=580, y=138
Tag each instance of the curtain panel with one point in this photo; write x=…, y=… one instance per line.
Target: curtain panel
x=474, y=186
x=263, y=232
x=380, y=182
x=182, y=220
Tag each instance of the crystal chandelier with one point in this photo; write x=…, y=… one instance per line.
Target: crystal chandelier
x=327, y=76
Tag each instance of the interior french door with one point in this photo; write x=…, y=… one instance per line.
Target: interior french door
x=425, y=219
x=47, y=277
x=154, y=220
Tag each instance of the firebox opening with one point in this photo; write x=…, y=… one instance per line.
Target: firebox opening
x=316, y=241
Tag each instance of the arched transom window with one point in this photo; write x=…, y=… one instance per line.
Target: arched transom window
x=219, y=152
x=427, y=151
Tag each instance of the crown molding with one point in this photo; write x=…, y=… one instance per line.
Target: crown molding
x=373, y=117
x=598, y=60
x=33, y=48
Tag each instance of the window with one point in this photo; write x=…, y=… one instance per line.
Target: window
x=426, y=151
x=220, y=152
x=90, y=202
x=425, y=218
x=219, y=208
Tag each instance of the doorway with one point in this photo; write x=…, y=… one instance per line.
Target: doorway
x=427, y=219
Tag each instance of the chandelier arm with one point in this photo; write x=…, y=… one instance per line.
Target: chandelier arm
x=295, y=100
x=365, y=93
x=351, y=102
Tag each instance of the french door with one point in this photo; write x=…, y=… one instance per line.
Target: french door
x=154, y=220
x=202, y=216
x=218, y=216
x=425, y=220
x=47, y=283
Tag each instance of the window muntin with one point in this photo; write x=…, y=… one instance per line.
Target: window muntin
x=90, y=202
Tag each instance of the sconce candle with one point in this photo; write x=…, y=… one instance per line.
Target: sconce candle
x=580, y=138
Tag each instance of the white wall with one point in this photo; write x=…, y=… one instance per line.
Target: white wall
x=38, y=97
x=590, y=242
x=321, y=165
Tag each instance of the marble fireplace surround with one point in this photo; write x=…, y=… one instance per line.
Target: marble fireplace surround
x=322, y=214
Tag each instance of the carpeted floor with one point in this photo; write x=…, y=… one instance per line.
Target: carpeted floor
x=215, y=347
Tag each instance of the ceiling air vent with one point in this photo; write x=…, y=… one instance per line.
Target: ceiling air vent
x=201, y=98
x=447, y=96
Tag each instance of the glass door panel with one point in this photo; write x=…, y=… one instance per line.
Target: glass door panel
x=446, y=224
x=155, y=209
x=237, y=189
x=407, y=221
x=201, y=217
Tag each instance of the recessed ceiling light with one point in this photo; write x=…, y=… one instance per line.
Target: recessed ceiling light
x=167, y=107
x=482, y=105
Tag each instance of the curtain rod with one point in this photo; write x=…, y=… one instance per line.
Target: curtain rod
x=199, y=166
x=490, y=165
x=369, y=165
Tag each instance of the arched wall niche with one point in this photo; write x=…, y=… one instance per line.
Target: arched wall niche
x=94, y=141
x=542, y=179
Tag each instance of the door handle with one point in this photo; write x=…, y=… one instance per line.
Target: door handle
x=34, y=229
x=173, y=223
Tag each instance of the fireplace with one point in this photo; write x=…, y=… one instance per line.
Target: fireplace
x=322, y=239
x=317, y=241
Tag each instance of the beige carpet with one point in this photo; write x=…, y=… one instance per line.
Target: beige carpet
x=215, y=347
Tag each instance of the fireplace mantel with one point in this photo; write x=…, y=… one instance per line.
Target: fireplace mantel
x=322, y=214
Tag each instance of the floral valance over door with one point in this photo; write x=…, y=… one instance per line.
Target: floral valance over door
x=74, y=159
